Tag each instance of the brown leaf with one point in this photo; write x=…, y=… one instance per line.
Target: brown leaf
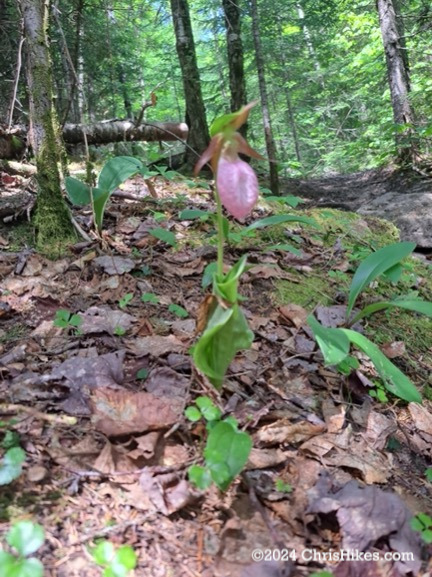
x=155, y=345
x=122, y=412
x=104, y=319
x=284, y=432
x=366, y=515
x=205, y=309
x=394, y=349
x=334, y=415
x=265, y=458
x=295, y=314
x=115, y=264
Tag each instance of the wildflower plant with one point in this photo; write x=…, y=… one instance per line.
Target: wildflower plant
x=226, y=331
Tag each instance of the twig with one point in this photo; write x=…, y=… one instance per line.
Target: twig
x=80, y=230
x=54, y=419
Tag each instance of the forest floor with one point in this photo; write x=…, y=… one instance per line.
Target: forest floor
x=98, y=406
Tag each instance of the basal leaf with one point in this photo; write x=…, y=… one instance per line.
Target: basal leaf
x=99, y=200
x=333, y=343
x=415, y=305
x=279, y=219
x=116, y=171
x=193, y=213
x=227, y=287
x=11, y=465
x=226, y=333
x=77, y=191
x=375, y=265
x=394, y=380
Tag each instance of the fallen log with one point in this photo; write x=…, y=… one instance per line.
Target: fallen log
x=123, y=130
x=105, y=132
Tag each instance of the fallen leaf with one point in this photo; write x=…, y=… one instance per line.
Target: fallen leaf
x=295, y=314
x=285, y=432
x=155, y=345
x=104, y=320
x=115, y=264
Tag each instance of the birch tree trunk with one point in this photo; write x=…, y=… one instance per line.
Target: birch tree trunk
x=53, y=226
x=391, y=25
x=199, y=138
x=268, y=133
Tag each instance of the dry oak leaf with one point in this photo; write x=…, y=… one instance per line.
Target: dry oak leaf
x=295, y=314
x=285, y=432
x=155, y=345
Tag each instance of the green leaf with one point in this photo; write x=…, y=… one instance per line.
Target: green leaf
x=292, y=201
x=142, y=374
x=193, y=213
x=228, y=448
x=227, y=286
x=208, y=409
x=226, y=333
x=208, y=274
x=428, y=474
x=178, y=311
x=279, y=219
x=284, y=247
x=333, y=343
x=193, y=414
x=26, y=537
x=11, y=465
x=77, y=191
x=126, y=556
x=200, y=477
x=375, y=265
x=75, y=320
x=165, y=235
x=394, y=273
x=10, y=566
x=394, y=380
x=99, y=200
x=103, y=553
x=116, y=171
x=149, y=298
x=124, y=301
x=415, y=305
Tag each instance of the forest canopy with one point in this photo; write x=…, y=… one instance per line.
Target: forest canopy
x=326, y=67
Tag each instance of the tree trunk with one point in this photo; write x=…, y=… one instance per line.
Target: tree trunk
x=53, y=226
x=270, y=144
x=237, y=79
x=199, y=138
x=398, y=75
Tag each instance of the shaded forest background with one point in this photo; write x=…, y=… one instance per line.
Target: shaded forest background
x=328, y=100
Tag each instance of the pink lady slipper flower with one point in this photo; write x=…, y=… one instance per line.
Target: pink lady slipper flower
x=236, y=181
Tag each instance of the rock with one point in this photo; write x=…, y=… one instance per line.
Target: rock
x=410, y=212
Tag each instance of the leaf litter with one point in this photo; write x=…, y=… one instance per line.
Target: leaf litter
x=322, y=474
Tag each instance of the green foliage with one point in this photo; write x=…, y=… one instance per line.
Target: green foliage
x=112, y=175
x=150, y=298
x=283, y=487
x=429, y=474
x=227, y=449
x=178, y=310
x=119, y=331
x=226, y=332
x=423, y=524
x=26, y=538
x=377, y=263
x=335, y=344
x=116, y=562
x=67, y=320
x=124, y=301
x=11, y=465
x=164, y=235
x=142, y=374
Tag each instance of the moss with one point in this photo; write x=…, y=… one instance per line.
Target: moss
x=308, y=292
x=20, y=235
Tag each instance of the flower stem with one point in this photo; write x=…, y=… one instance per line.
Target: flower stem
x=220, y=244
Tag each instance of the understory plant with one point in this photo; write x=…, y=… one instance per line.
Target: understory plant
x=225, y=329
x=24, y=538
x=115, y=562
x=227, y=449
x=335, y=343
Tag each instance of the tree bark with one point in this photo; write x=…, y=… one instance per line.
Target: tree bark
x=237, y=79
x=12, y=145
x=198, y=138
x=398, y=75
x=53, y=226
x=268, y=133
